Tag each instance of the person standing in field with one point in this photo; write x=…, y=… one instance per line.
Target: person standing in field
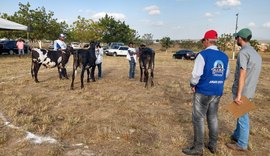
x=210, y=71
x=99, y=55
x=248, y=68
x=20, y=46
x=60, y=44
x=131, y=56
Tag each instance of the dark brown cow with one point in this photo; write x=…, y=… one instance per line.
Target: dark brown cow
x=147, y=62
x=84, y=58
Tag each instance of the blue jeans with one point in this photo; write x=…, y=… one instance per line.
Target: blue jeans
x=21, y=51
x=99, y=70
x=205, y=106
x=241, y=133
x=132, y=65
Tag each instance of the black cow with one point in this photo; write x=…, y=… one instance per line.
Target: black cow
x=85, y=58
x=50, y=59
x=146, y=61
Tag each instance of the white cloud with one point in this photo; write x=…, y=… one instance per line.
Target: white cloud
x=117, y=16
x=251, y=25
x=266, y=25
x=228, y=3
x=152, y=10
x=208, y=14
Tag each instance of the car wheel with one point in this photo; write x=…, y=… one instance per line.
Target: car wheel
x=114, y=54
x=11, y=52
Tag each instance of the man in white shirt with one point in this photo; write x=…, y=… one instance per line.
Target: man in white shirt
x=131, y=56
x=60, y=44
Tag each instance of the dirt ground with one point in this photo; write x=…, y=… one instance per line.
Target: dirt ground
x=115, y=115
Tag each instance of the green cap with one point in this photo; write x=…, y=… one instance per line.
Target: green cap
x=243, y=33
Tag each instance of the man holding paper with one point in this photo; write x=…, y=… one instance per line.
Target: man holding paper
x=248, y=67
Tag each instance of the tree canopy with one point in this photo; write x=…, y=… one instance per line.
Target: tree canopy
x=45, y=26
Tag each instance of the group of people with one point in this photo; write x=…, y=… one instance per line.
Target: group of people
x=210, y=70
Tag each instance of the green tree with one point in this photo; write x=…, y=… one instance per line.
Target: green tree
x=192, y=45
x=113, y=31
x=255, y=44
x=225, y=41
x=42, y=23
x=147, y=39
x=84, y=30
x=166, y=42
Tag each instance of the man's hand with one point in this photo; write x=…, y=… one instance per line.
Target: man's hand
x=238, y=100
x=193, y=89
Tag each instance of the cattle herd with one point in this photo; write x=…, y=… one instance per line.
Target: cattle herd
x=86, y=58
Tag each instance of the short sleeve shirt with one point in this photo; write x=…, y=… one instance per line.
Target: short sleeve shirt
x=249, y=60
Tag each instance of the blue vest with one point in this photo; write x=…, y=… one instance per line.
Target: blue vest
x=214, y=73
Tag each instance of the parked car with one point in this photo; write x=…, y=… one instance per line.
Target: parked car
x=115, y=45
x=75, y=45
x=184, y=54
x=9, y=47
x=120, y=51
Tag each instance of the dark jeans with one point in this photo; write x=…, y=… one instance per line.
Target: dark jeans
x=205, y=106
x=99, y=70
x=132, y=65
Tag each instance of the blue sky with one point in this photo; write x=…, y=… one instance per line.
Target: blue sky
x=177, y=19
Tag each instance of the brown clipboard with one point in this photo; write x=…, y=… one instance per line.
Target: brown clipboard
x=239, y=110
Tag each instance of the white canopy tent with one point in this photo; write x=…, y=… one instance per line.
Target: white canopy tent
x=9, y=25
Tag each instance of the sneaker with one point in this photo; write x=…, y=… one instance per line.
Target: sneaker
x=192, y=151
x=235, y=147
x=213, y=150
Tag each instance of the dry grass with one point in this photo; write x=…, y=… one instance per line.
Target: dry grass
x=115, y=116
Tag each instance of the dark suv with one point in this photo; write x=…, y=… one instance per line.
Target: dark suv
x=184, y=54
x=9, y=47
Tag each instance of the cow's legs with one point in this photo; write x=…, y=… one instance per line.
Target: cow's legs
x=141, y=72
x=152, y=77
x=73, y=77
x=146, y=75
x=82, y=75
x=92, y=74
x=32, y=69
x=88, y=75
x=36, y=68
x=64, y=72
x=60, y=72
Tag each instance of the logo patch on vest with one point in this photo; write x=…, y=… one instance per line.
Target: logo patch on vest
x=218, y=69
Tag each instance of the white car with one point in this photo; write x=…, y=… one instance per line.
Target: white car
x=120, y=51
x=75, y=45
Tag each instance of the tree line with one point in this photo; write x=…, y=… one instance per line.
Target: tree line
x=43, y=26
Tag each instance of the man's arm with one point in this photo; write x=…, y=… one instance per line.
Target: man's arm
x=197, y=71
x=241, y=84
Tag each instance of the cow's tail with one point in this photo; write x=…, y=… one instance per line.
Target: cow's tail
x=153, y=60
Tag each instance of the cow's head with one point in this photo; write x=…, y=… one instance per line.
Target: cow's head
x=69, y=50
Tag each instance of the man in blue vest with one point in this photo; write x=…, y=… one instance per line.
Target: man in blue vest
x=210, y=70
